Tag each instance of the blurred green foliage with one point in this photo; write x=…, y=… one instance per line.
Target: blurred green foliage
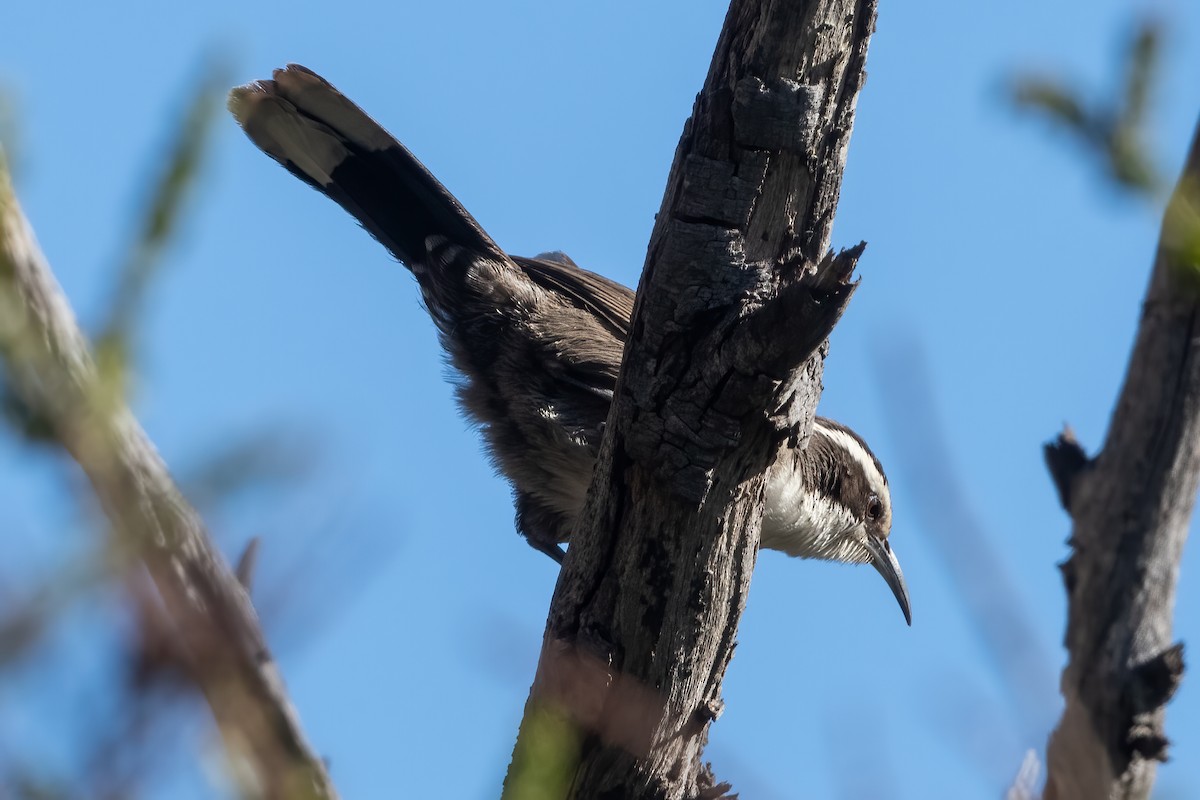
x=33, y=608
x=176, y=173
x=1113, y=130
x=1181, y=231
x=546, y=755
x=160, y=222
x=10, y=130
x=164, y=211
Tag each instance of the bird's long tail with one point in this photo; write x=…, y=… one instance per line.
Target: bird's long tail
x=313, y=130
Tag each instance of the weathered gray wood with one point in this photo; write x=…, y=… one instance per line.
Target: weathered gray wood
x=1131, y=507
x=48, y=362
x=723, y=366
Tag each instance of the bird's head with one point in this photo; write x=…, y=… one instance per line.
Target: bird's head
x=831, y=501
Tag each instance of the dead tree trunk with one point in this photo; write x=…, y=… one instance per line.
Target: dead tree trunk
x=1131, y=507
x=722, y=367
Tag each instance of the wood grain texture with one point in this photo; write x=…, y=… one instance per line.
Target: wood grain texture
x=723, y=367
x=48, y=362
x=1131, y=508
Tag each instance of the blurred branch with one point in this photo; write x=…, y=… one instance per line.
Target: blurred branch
x=1113, y=131
x=332, y=562
x=1131, y=510
x=162, y=217
x=11, y=132
x=26, y=619
x=247, y=561
x=990, y=596
x=189, y=142
x=261, y=459
x=28, y=422
x=1066, y=459
x=258, y=460
x=49, y=365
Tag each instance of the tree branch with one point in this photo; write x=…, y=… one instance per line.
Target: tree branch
x=1131, y=508
x=722, y=368
x=1067, y=460
x=217, y=635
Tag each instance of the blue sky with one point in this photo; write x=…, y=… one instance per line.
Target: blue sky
x=996, y=252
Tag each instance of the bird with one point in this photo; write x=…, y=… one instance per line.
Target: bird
x=537, y=342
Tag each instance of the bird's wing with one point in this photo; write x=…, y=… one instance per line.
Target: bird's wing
x=610, y=302
x=597, y=311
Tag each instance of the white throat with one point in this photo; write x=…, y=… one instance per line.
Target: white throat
x=803, y=524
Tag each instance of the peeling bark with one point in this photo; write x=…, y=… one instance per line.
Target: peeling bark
x=722, y=368
x=1131, y=508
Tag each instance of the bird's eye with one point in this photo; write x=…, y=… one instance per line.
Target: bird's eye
x=874, y=508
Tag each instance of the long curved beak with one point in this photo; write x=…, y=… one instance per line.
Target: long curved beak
x=884, y=561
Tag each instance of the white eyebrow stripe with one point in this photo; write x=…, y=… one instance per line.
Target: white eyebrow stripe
x=859, y=453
